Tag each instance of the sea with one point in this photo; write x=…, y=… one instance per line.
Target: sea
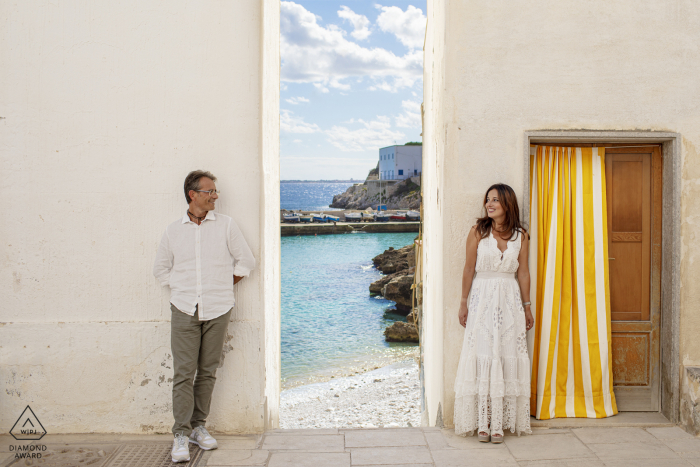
x=310, y=196
x=330, y=325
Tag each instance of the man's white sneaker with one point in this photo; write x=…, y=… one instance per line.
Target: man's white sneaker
x=201, y=437
x=181, y=449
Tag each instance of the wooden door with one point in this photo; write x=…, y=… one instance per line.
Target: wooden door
x=633, y=182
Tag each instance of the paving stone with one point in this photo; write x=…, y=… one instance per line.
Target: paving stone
x=241, y=457
x=628, y=451
x=378, y=438
x=623, y=419
x=548, y=431
x=473, y=457
x=391, y=455
x=647, y=463
x=468, y=442
x=670, y=432
x=614, y=435
x=557, y=446
x=310, y=459
x=236, y=443
x=374, y=430
x=305, y=431
x=683, y=445
x=308, y=443
x=436, y=441
x=407, y=465
x=590, y=462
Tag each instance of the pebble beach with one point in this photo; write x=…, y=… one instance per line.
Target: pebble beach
x=385, y=397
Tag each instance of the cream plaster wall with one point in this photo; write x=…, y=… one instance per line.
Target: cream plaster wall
x=508, y=69
x=433, y=233
x=104, y=108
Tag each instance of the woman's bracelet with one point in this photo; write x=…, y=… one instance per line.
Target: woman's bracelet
x=526, y=303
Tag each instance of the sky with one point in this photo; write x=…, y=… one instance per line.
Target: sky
x=351, y=83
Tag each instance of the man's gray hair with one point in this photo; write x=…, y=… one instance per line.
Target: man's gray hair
x=192, y=181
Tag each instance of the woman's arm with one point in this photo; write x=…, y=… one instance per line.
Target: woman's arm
x=468, y=275
x=524, y=279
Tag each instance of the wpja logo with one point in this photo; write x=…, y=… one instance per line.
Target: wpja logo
x=28, y=427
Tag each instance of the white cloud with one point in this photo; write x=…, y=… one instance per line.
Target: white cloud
x=410, y=118
x=408, y=26
x=359, y=22
x=291, y=124
x=297, y=141
x=297, y=100
x=370, y=136
x=323, y=56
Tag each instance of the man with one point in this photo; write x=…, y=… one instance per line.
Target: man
x=200, y=257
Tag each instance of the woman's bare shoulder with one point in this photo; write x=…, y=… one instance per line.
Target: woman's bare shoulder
x=473, y=234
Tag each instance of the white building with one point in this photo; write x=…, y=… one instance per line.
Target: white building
x=400, y=162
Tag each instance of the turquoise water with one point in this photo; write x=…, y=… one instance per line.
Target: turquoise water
x=329, y=321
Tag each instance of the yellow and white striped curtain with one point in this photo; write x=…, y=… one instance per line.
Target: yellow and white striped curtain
x=571, y=360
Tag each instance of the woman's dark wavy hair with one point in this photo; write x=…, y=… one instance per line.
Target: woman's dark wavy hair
x=509, y=202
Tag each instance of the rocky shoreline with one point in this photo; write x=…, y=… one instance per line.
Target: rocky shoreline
x=399, y=267
x=404, y=194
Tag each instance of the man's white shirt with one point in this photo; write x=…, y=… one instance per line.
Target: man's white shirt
x=198, y=262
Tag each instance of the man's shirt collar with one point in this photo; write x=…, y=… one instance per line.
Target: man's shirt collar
x=210, y=216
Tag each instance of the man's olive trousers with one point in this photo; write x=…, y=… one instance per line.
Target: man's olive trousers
x=196, y=347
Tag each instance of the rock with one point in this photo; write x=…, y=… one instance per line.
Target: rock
x=402, y=195
x=393, y=260
x=376, y=287
x=411, y=318
x=401, y=332
x=399, y=291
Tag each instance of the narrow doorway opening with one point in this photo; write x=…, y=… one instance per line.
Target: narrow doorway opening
x=350, y=171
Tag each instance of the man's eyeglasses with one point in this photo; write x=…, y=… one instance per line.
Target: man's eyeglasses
x=211, y=192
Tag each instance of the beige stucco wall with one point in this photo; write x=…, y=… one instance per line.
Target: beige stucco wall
x=104, y=108
x=433, y=218
x=508, y=69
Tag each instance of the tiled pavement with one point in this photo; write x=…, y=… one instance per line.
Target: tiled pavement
x=420, y=447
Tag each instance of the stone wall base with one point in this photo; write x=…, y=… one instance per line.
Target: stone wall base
x=690, y=400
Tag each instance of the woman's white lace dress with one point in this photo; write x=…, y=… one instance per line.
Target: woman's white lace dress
x=492, y=389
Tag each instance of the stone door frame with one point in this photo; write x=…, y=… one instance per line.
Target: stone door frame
x=671, y=241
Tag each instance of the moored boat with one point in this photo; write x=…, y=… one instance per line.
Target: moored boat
x=412, y=216
x=381, y=217
x=293, y=218
x=367, y=216
x=353, y=217
x=399, y=216
x=332, y=218
x=307, y=218
x=319, y=218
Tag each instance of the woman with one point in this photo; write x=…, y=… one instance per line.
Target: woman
x=492, y=389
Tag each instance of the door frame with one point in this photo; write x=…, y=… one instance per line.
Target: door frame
x=671, y=238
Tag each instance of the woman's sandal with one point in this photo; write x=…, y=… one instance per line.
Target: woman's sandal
x=484, y=437
x=496, y=439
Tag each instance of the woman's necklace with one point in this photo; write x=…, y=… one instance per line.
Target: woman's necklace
x=499, y=232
